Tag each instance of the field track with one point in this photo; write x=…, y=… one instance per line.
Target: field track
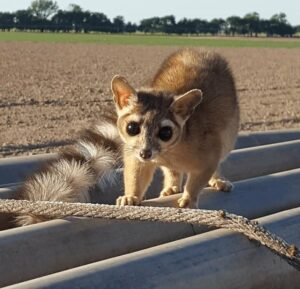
x=49, y=90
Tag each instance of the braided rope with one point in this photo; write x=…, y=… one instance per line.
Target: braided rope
x=218, y=219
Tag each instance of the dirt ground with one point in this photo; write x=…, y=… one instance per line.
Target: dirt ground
x=49, y=91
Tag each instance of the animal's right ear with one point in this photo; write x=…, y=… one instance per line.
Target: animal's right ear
x=123, y=92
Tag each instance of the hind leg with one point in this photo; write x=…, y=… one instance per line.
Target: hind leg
x=219, y=182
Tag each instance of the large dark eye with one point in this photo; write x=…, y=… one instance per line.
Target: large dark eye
x=133, y=128
x=165, y=133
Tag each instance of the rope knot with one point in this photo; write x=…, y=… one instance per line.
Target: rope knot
x=292, y=250
x=222, y=214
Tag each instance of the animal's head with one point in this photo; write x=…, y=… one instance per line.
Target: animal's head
x=150, y=122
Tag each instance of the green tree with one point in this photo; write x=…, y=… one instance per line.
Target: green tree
x=62, y=21
x=167, y=24
x=233, y=25
x=185, y=26
x=130, y=27
x=43, y=9
x=7, y=21
x=98, y=22
x=216, y=26
x=252, y=23
x=24, y=20
x=279, y=25
x=119, y=24
x=265, y=25
x=151, y=25
x=199, y=26
x=280, y=18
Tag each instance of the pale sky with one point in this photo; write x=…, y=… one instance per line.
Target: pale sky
x=135, y=10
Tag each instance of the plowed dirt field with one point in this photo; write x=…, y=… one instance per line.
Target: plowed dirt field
x=49, y=91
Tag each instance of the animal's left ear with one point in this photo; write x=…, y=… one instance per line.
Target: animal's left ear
x=184, y=105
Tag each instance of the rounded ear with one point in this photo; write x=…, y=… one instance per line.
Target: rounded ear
x=184, y=105
x=122, y=91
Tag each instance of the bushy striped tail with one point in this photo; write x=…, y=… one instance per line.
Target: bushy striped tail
x=76, y=170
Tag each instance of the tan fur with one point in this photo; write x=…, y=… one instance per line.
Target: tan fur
x=194, y=91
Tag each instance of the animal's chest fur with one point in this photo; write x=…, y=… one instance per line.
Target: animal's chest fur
x=182, y=159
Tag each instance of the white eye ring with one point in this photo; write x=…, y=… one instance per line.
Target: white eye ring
x=135, y=118
x=167, y=122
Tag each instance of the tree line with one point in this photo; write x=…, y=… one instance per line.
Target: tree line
x=45, y=15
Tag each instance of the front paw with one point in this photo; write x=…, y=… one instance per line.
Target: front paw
x=128, y=201
x=221, y=184
x=169, y=191
x=187, y=202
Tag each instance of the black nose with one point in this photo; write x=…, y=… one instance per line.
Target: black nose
x=146, y=154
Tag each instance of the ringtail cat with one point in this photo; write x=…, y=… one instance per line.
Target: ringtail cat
x=185, y=122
